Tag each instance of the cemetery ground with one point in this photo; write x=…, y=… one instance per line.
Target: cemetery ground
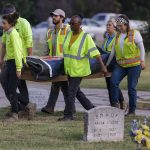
x=46, y=133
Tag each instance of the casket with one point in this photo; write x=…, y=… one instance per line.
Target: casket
x=51, y=69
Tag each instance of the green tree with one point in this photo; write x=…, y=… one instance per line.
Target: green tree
x=26, y=8
x=136, y=9
x=146, y=37
x=89, y=8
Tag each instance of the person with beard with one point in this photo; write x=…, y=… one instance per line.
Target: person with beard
x=55, y=39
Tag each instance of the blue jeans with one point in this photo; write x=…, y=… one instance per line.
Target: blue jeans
x=132, y=73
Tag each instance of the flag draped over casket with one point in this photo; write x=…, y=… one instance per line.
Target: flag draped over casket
x=45, y=68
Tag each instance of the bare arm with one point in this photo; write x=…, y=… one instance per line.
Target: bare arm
x=29, y=51
x=112, y=54
x=102, y=66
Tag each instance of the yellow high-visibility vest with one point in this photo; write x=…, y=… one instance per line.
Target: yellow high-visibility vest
x=59, y=40
x=109, y=47
x=129, y=56
x=76, y=56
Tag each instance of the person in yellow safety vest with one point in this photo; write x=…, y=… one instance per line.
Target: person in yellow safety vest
x=55, y=39
x=130, y=56
x=14, y=56
x=107, y=47
x=78, y=47
x=24, y=29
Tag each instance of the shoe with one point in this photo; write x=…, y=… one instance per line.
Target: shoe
x=47, y=110
x=130, y=114
x=12, y=118
x=66, y=119
x=23, y=114
x=122, y=104
x=31, y=109
x=8, y=114
x=115, y=105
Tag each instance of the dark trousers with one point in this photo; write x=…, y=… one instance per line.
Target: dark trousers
x=74, y=91
x=10, y=81
x=55, y=89
x=23, y=96
x=132, y=73
x=108, y=84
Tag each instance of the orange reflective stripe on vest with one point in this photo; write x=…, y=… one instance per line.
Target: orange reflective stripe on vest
x=117, y=38
x=129, y=55
x=63, y=30
x=49, y=34
x=61, y=48
x=129, y=61
x=59, y=39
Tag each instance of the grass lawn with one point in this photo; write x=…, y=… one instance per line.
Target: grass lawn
x=144, y=81
x=45, y=133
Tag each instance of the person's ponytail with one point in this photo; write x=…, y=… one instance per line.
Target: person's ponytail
x=15, y=15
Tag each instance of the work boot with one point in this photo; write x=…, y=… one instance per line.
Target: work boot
x=12, y=118
x=31, y=109
x=122, y=104
x=47, y=110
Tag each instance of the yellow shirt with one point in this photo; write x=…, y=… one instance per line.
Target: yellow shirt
x=25, y=32
x=14, y=49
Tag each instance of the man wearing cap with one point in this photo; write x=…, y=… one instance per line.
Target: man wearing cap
x=55, y=39
x=24, y=29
